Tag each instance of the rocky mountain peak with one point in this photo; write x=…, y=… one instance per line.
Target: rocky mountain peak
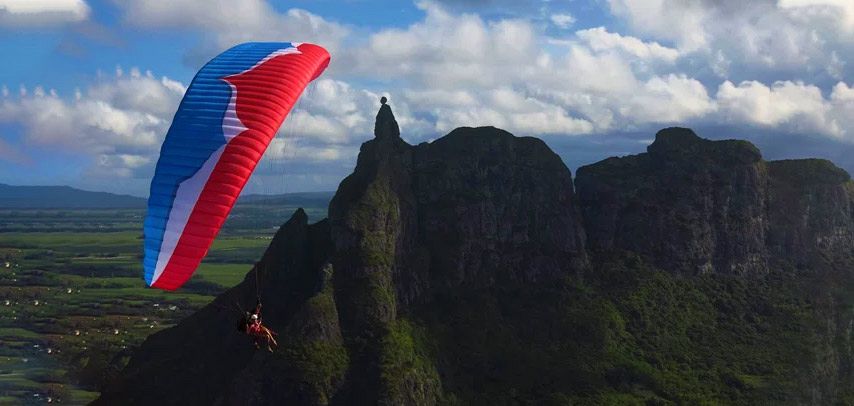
x=385, y=125
x=477, y=210
x=683, y=145
x=472, y=269
x=675, y=139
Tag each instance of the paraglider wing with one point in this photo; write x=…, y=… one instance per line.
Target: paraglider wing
x=228, y=116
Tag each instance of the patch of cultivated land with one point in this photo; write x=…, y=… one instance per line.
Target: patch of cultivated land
x=73, y=304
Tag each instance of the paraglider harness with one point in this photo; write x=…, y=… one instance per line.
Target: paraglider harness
x=251, y=325
x=247, y=318
x=250, y=322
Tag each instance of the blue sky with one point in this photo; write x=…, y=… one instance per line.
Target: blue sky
x=88, y=88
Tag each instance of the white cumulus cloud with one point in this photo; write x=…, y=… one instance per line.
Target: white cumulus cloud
x=39, y=13
x=119, y=122
x=842, y=10
x=764, y=37
x=792, y=105
x=562, y=20
x=229, y=23
x=599, y=39
x=668, y=99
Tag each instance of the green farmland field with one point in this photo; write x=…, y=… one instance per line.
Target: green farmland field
x=73, y=303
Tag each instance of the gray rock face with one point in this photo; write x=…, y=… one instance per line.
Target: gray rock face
x=811, y=212
x=493, y=209
x=690, y=205
x=385, y=124
x=697, y=206
x=473, y=210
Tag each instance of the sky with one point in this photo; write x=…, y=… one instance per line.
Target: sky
x=88, y=88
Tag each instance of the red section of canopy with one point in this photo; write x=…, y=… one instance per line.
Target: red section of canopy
x=265, y=96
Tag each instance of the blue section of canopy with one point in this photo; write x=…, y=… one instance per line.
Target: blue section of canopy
x=195, y=134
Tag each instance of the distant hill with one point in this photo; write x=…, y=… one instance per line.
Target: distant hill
x=306, y=199
x=66, y=197
x=63, y=197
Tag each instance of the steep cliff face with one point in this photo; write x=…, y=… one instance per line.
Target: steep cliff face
x=810, y=211
x=689, y=205
x=696, y=206
x=468, y=271
x=476, y=210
